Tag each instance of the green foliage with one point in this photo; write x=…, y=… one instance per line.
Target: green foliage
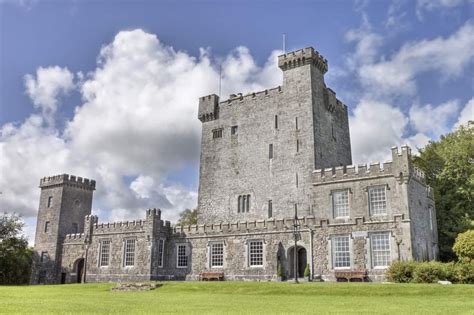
x=307, y=271
x=15, y=255
x=401, y=271
x=464, y=246
x=430, y=272
x=280, y=270
x=449, y=169
x=188, y=217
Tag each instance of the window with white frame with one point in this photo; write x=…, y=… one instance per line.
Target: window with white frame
x=341, y=255
x=377, y=200
x=255, y=253
x=182, y=256
x=161, y=251
x=340, y=203
x=380, y=249
x=129, y=252
x=104, y=256
x=217, y=254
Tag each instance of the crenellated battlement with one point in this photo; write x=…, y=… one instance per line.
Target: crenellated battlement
x=303, y=57
x=75, y=238
x=68, y=180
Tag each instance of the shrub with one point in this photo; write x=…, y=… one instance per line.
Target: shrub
x=429, y=272
x=464, y=272
x=464, y=246
x=307, y=271
x=401, y=271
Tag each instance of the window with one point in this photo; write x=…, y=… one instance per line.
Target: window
x=256, y=253
x=161, y=251
x=270, y=208
x=217, y=133
x=296, y=123
x=243, y=203
x=50, y=201
x=297, y=146
x=129, y=253
x=44, y=257
x=340, y=203
x=217, y=254
x=234, y=130
x=296, y=179
x=380, y=246
x=75, y=228
x=46, y=227
x=377, y=200
x=276, y=121
x=332, y=132
x=270, y=151
x=430, y=209
x=182, y=257
x=104, y=253
x=341, y=256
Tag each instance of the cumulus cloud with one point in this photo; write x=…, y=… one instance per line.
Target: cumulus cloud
x=137, y=125
x=47, y=86
x=397, y=75
x=434, y=120
x=466, y=115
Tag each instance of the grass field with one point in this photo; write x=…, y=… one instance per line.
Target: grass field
x=242, y=298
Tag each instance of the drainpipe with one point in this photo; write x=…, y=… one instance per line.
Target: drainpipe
x=311, y=262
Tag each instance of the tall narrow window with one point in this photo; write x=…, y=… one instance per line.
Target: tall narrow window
x=270, y=208
x=340, y=203
x=46, y=226
x=270, y=151
x=217, y=255
x=50, y=201
x=297, y=146
x=377, y=200
x=244, y=203
x=129, y=252
x=296, y=179
x=380, y=247
x=161, y=251
x=44, y=257
x=255, y=253
x=248, y=203
x=341, y=255
x=234, y=130
x=276, y=121
x=296, y=123
x=104, y=253
x=430, y=209
x=182, y=256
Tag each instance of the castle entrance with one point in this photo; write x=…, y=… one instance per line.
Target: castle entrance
x=302, y=261
x=79, y=269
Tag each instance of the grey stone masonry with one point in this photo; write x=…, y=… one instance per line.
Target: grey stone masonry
x=261, y=148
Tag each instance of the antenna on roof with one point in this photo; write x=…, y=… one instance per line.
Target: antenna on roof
x=284, y=43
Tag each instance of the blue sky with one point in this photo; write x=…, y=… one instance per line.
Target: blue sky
x=108, y=89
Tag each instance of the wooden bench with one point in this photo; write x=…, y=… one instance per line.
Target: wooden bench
x=209, y=276
x=348, y=275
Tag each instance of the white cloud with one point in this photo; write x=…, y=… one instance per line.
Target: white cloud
x=48, y=85
x=430, y=5
x=397, y=76
x=432, y=120
x=466, y=115
x=137, y=125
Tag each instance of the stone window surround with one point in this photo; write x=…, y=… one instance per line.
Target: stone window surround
x=100, y=252
x=330, y=252
x=46, y=226
x=331, y=197
x=50, y=202
x=244, y=203
x=209, y=254
x=367, y=190
x=186, y=252
x=161, y=256
x=44, y=256
x=124, y=253
x=390, y=250
x=247, y=253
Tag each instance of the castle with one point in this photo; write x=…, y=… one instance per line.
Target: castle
x=264, y=157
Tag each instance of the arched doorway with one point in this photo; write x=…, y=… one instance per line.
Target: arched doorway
x=79, y=269
x=302, y=261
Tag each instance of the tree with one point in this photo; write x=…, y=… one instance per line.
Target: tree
x=464, y=246
x=188, y=217
x=15, y=255
x=449, y=169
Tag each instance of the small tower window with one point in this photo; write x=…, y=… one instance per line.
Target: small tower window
x=46, y=226
x=270, y=151
x=50, y=201
x=234, y=130
x=297, y=146
x=296, y=123
x=44, y=257
x=276, y=121
x=243, y=203
x=270, y=208
x=296, y=175
x=217, y=133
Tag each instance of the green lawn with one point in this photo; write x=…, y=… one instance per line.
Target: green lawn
x=242, y=298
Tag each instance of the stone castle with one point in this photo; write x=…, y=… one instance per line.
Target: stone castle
x=265, y=157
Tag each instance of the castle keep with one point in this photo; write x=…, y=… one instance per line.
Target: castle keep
x=264, y=157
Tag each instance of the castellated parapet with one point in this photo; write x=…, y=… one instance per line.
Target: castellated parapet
x=303, y=57
x=208, y=108
x=68, y=180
